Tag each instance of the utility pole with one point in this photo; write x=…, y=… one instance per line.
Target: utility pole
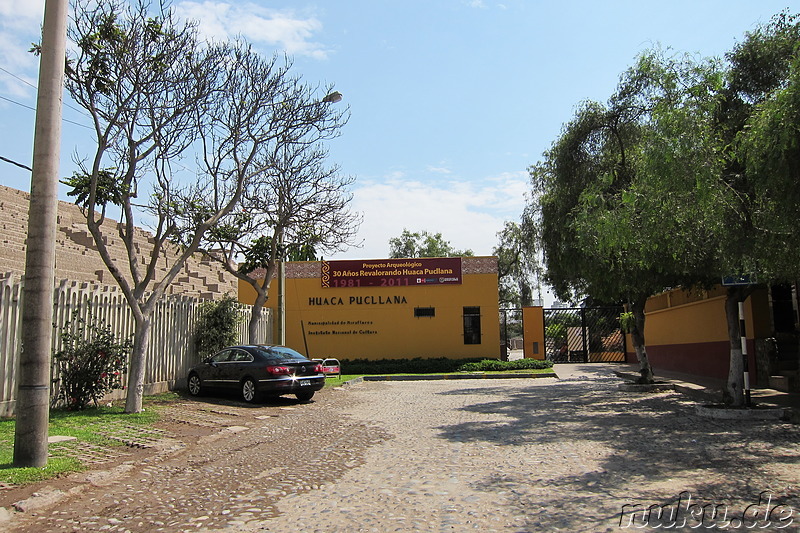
x=33, y=393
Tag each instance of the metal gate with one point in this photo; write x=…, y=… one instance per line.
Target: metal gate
x=584, y=335
x=510, y=331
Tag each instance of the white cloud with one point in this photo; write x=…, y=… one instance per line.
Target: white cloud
x=20, y=25
x=467, y=214
x=280, y=28
x=439, y=170
x=21, y=12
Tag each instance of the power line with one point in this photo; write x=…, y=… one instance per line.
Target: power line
x=26, y=82
x=18, y=103
x=26, y=167
x=34, y=109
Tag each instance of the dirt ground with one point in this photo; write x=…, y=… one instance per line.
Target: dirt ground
x=202, y=458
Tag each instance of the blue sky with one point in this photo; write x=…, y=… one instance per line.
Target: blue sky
x=451, y=100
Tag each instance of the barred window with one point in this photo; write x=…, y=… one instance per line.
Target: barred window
x=472, y=325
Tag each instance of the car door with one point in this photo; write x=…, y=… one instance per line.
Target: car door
x=215, y=369
x=235, y=367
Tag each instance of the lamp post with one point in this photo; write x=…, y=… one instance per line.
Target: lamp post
x=281, y=293
x=330, y=98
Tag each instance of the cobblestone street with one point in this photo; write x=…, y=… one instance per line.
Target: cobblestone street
x=456, y=455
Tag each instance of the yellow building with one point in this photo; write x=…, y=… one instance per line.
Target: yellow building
x=390, y=308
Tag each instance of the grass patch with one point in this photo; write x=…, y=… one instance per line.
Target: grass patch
x=85, y=426
x=333, y=381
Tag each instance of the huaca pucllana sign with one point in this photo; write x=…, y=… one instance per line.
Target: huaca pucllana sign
x=392, y=272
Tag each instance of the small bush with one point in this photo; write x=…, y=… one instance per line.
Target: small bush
x=493, y=365
x=441, y=365
x=217, y=326
x=403, y=366
x=91, y=363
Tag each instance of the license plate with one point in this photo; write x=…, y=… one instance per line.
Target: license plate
x=305, y=382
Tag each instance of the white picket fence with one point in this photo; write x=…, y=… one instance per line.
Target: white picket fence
x=171, y=352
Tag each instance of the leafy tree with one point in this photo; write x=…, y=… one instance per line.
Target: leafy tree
x=423, y=244
x=617, y=190
x=519, y=270
x=757, y=121
x=689, y=174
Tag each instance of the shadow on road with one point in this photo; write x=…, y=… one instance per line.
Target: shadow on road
x=649, y=448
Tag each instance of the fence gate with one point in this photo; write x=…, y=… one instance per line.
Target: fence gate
x=584, y=335
x=510, y=331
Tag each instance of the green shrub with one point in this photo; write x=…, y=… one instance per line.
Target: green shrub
x=441, y=365
x=217, y=326
x=403, y=366
x=493, y=365
x=91, y=363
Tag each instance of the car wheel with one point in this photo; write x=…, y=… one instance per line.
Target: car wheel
x=249, y=390
x=194, y=385
x=305, y=396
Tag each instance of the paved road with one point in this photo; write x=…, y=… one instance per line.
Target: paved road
x=491, y=455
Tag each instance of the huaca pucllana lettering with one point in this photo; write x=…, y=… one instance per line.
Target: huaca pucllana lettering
x=357, y=300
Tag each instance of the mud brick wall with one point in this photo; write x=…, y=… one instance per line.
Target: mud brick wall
x=77, y=258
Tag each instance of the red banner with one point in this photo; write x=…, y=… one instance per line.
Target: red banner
x=392, y=272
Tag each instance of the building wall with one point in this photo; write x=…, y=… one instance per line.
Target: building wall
x=533, y=333
x=686, y=331
x=77, y=258
x=379, y=322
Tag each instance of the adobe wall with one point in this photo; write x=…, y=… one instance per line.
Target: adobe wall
x=77, y=258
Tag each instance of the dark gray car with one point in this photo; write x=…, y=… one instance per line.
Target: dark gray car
x=257, y=371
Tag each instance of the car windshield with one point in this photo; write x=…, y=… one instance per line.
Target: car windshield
x=281, y=352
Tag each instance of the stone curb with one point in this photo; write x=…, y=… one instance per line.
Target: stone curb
x=646, y=387
x=433, y=377
x=721, y=413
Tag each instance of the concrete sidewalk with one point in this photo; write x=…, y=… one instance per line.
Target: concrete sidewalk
x=709, y=389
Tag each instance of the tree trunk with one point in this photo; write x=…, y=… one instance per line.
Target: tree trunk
x=637, y=335
x=525, y=294
x=734, y=391
x=141, y=341
x=255, y=318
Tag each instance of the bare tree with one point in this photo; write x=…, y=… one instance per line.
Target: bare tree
x=294, y=209
x=151, y=87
